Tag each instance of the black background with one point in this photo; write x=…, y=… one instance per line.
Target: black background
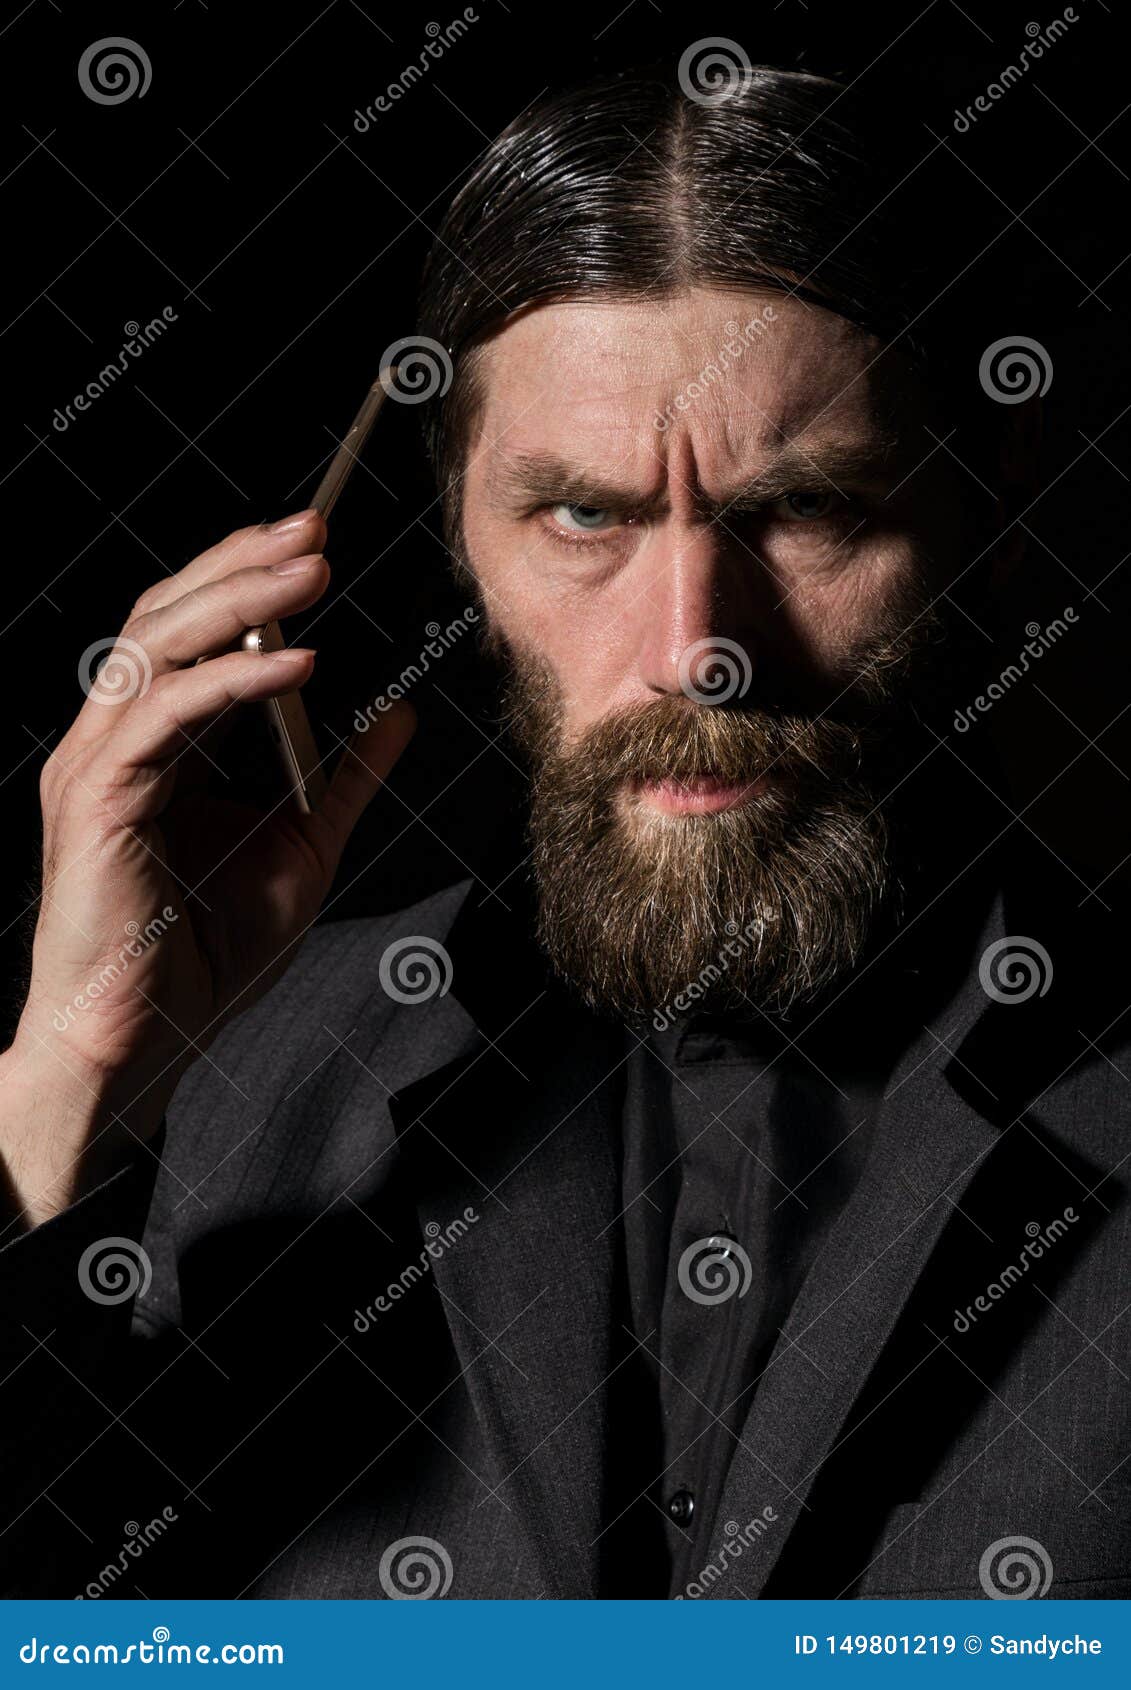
x=238, y=193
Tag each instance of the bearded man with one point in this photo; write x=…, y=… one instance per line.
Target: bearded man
x=725, y=1201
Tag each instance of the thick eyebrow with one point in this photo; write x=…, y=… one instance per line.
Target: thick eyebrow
x=828, y=465
x=541, y=478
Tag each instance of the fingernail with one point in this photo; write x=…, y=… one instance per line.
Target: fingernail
x=293, y=654
x=295, y=565
x=289, y=522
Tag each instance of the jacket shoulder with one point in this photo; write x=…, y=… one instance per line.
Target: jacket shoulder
x=298, y=1046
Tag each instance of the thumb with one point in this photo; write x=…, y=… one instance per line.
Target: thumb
x=366, y=760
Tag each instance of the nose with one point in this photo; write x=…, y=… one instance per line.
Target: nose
x=701, y=625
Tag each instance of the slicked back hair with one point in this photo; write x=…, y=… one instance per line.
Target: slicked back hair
x=631, y=188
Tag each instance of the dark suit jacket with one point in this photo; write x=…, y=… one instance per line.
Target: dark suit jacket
x=900, y=1432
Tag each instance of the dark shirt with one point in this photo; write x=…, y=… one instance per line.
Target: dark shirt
x=742, y=1141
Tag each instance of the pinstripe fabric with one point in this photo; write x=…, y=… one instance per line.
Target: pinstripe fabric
x=299, y=1430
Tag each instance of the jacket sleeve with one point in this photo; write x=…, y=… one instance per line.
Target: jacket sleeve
x=67, y=1294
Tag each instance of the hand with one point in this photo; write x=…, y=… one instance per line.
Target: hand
x=165, y=911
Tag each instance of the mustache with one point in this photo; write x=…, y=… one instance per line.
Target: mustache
x=676, y=739
x=683, y=737
x=628, y=916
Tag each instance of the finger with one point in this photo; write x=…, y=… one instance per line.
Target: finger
x=365, y=764
x=257, y=546
x=197, y=625
x=179, y=706
x=209, y=619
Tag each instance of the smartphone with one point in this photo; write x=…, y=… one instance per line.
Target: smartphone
x=290, y=730
x=288, y=724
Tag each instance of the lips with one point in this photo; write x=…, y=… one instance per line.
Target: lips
x=702, y=795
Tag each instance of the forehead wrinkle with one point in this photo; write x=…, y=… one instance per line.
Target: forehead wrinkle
x=791, y=468
x=822, y=382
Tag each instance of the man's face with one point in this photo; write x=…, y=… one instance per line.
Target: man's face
x=707, y=532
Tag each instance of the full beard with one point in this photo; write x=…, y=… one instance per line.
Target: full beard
x=760, y=907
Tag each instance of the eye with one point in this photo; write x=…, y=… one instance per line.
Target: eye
x=583, y=519
x=808, y=506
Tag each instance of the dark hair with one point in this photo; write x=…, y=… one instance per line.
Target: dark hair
x=639, y=185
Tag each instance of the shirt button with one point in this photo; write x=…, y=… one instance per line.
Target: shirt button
x=681, y=1506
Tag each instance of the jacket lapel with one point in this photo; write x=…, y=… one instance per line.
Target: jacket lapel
x=516, y=1119
x=520, y=1131
x=933, y=1133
